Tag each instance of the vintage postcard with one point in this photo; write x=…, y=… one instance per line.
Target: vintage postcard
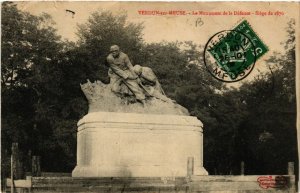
x=149, y=96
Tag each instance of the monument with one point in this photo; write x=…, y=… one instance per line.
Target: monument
x=133, y=129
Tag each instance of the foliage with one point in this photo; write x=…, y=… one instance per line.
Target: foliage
x=268, y=131
x=31, y=79
x=102, y=30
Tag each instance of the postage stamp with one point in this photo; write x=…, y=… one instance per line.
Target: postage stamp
x=230, y=55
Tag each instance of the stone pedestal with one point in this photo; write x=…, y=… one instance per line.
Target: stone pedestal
x=138, y=145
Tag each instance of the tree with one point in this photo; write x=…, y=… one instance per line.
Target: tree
x=268, y=132
x=102, y=30
x=31, y=76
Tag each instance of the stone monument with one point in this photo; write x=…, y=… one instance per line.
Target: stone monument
x=128, y=136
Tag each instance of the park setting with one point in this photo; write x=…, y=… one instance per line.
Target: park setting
x=111, y=110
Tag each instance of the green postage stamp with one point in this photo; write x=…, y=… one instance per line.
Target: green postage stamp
x=234, y=52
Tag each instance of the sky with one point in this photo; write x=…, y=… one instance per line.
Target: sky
x=196, y=28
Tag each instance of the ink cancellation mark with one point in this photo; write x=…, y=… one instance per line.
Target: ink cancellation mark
x=230, y=55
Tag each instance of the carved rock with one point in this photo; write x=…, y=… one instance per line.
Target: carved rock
x=102, y=99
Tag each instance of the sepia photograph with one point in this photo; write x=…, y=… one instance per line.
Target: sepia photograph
x=150, y=97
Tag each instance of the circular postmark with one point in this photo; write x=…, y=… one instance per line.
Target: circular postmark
x=229, y=56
